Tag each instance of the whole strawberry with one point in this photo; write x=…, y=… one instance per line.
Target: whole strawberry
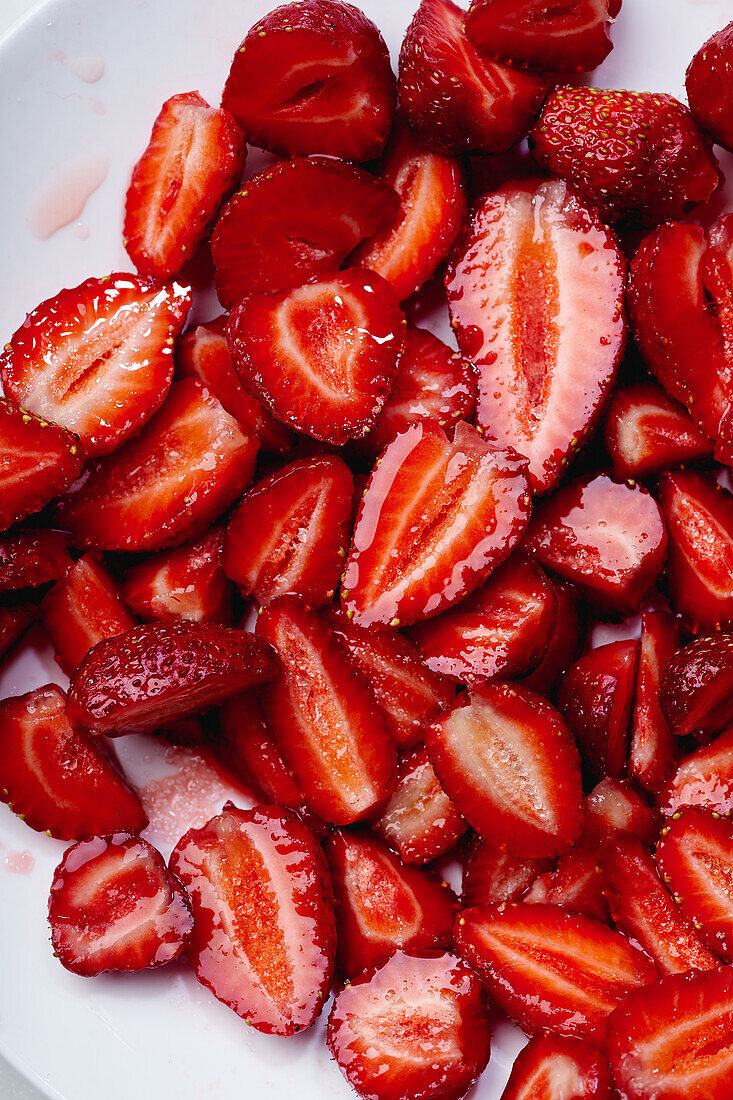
x=635, y=156
x=709, y=83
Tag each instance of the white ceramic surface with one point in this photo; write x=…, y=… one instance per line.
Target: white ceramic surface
x=162, y=1035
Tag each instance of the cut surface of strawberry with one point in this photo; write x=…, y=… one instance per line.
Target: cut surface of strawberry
x=575, y=884
x=193, y=160
x=418, y=1027
x=646, y=432
x=704, y=778
x=245, y=746
x=555, y=1067
x=98, y=358
x=166, y=486
x=295, y=221
x=492, y=876
x=114, y=905
x=532, y=258
x=617, y=804
x=507, y=760
x=696, y=693
x=436, y=517
x=709, y=83
x=264, y=936
x=566, y=642
x=653, y=749
x=14, y=621
x=57, y=777
x=29, y=559
x=185, y=583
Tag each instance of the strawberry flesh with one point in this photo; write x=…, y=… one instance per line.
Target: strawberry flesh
x=704, y=778
x=575, y=884
x=645, y=432
x=14, y=621
x=185, y=583
x=566, y=642
x=554, y=1066
x=492, y=875
x=653, y=749
x=245, y=747
x=617, y=804
x=29, y=559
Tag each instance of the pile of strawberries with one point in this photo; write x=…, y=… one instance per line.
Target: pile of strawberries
x=431, y=540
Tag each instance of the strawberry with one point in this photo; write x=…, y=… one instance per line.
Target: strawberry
x=709, y=83
x=325, y=720
x=634, y=156
x=555, y=1066
x=696, y=693
x=185, y=583
x=114, y=905
x=704, y=778
x=431, y=188
x=409, y=694
x=645, y=432
x=158, y=673
x=382, y=904
x=57, y=778
x=502, y=629
x=566, y=642
x=295, y=221
x=38, y=460
x=575, y=884
x=291, y=532
x=267, y=951
x=570, y=37
x=456, y=100
x=82, y=608
x=194, y=159
x=605, y=537
x=418, y=819
x=166, y=486
x=14, y=621
x=596, y=699
x=694, y=857
x=505, y=757
x=674, y=1040
x=616, y=804
x=245, y=747
x=436, y=517
x=418, y=1027
x=492, y=875
x=653, y=749
x=29, y=559
x=541, y=387
x=97, y=359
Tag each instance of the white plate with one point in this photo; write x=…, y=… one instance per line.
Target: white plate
x=161, y=1034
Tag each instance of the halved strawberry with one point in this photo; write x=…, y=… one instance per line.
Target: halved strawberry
x=82, y=608
x=418, y=819
x=533, y=256
x=704, y=778
x=291, y=532
x=616, y=804
x=566, y=642
x=502, y=629
x=709, y=83
x=325, y=720
x=653, y=748
x=185, y=583
x=646, y=432
x=575, y=884
x=696, y=693
x=323, y=356
x=455, y=99
x=193, y=160
x=14, y=621
x=382, y=904
x=98, y=358
x=492, y=875
x=674, y=1040
x=695, y=858
x=264, y=937
x=114, y=905
x=506, y=758
x=418, y=1027
x=29, y=559
x=313, y=77
x=436, y=517
x=166, y=486
x=38, y=461
x=58, y=778
x=244, y=745
x=158, y=673
x=295, y=221
x=606, y=537
x=556, y=1067
x=596, y=698
x=548, y=968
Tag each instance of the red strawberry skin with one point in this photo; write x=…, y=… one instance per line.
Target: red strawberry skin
x=58, y=778
x=185, y=583
x=29, y=559
x=114, y=905
x=709, y=83
x=14, y=621
x=645, y=432
x=266, y=951
x=704, y=778
x=653, y=749
x=695, y=693
x=634, y=156
x=566, y=643
x=553, y=1065
x=192, y=162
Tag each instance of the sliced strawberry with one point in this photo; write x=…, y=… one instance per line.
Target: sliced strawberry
x=653, y=749
x=695, y=857
x=29, y=559
x=97, y=359
x=382, y=904
x=325, y=720
x=291, y=532
x=418, y=1027
x=555, y=1067
x=674, y=1040
x=616, y=804
x=114, y=905
x=455, y=99
x=244, y=745
x=295, y=221
x=418, y=819
x=491, y=875
x=575, y=885
x=704, y=778
x=323, y=356
x=607, y=538
x=166, y=486
x=185, y=583
x=264, y=937
x=696, y=693
x=436, y=517
x=646, y=432
x=38, y=461
x=597, y=699
x=709, y=83
x=566, y=642
x=533, y=256
x=502, y=629
x=193, y=160
x=57, y=778
x=14, y=621
x=505, y=757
